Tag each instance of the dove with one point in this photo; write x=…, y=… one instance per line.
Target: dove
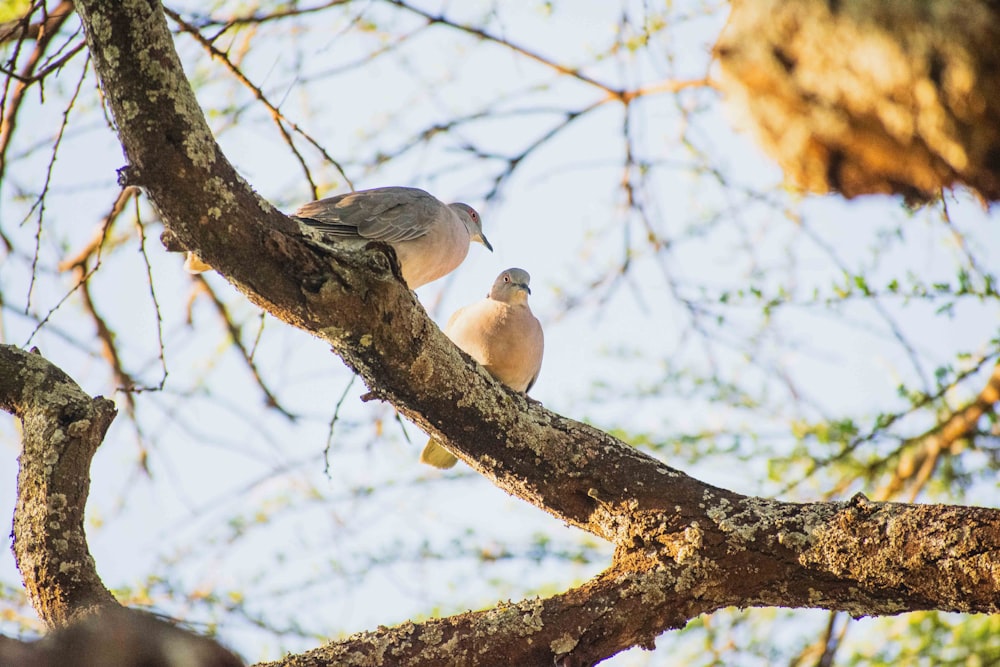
x=430, y=238
x=502, y=334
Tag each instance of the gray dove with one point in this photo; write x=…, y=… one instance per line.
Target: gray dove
x=430, y=238
x=502, y=334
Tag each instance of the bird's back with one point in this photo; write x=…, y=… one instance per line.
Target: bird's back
x=391, y=214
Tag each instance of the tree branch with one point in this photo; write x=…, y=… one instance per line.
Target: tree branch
x=43, y=33
x=856, y=556
x=118, y=637
x=62, y=429
x=921, y=455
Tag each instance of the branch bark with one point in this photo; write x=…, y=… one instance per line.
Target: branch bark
x=62, y=428
x=682, y=547
x=862, y=557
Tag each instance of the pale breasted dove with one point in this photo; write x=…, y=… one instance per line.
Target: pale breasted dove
x=430, y=238
x=502, y=334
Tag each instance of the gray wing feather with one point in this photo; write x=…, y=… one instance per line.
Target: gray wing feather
x=389, y=214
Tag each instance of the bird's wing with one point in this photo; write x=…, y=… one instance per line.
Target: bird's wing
x=532, y=331
x=389, y=214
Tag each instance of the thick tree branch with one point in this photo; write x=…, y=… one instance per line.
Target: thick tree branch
x=683, y=547
x=755, y=552
x=62, y=429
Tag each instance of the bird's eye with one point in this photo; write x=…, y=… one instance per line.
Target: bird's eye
x=506, y=279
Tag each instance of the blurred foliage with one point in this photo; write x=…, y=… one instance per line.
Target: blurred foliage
x=13, y=9
x=933, y=638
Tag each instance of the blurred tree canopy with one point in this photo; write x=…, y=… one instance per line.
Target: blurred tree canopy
x=792, y=350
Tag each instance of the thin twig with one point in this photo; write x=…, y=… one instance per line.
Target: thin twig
x=39, y=204
x=140, y=228
x=236, y=336
x=280, y=120
x=333, y=422
x=23, y=29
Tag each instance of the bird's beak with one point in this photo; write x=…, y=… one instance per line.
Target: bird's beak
x=482, y=239
x=524, y=287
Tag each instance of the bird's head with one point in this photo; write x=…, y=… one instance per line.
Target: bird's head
x=473, y=223
x=511, y=286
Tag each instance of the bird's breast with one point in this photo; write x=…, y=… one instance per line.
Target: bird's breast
x=435, y=254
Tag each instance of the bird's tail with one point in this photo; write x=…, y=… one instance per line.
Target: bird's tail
x=193, y=264
x=436, y=455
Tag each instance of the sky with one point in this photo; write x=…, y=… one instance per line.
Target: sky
x=244, y=509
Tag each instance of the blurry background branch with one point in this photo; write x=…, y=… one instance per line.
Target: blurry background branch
x=920, y=116
x=920, y=456
x=29, y=27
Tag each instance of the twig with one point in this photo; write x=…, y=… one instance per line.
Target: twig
x=236, y=335
x=280, y=120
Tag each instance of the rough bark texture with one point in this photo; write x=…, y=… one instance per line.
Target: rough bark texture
x=870, y=96
x=62, y=428
x=683, y=547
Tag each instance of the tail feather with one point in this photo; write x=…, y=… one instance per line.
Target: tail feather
x=436, y=455
x=193, y=264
